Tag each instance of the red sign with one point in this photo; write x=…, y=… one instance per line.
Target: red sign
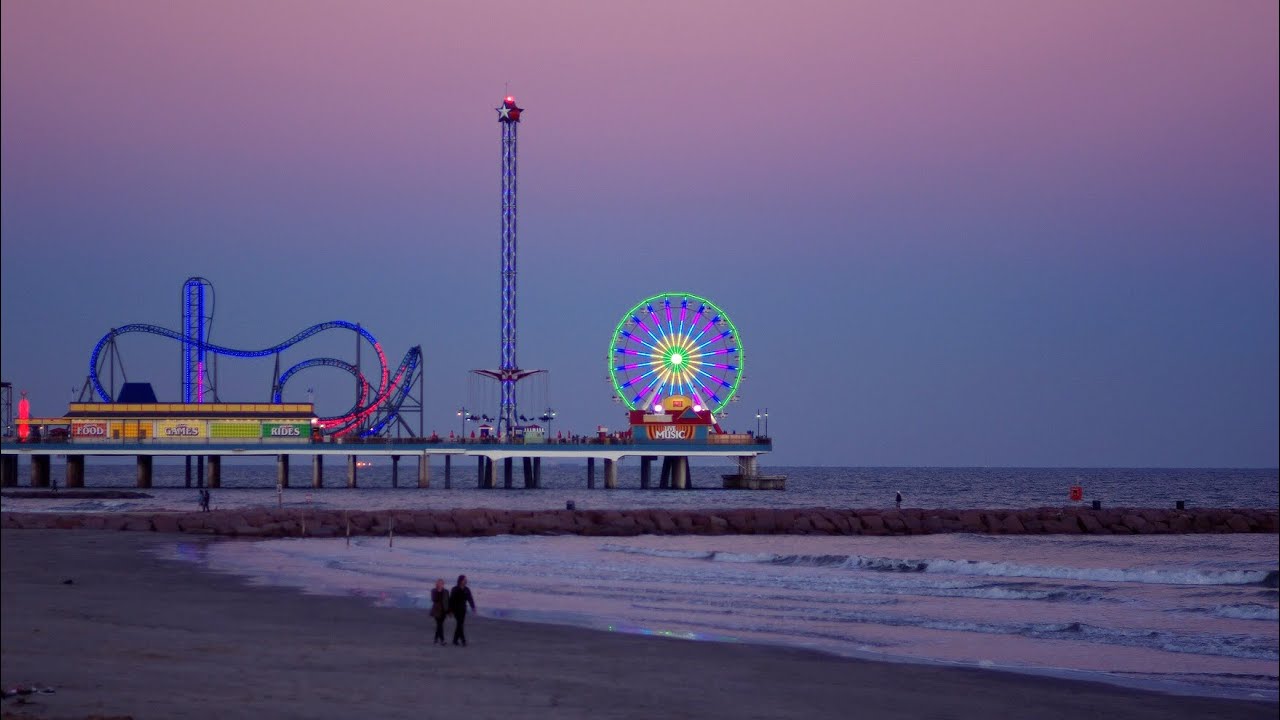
x=669, y=432
x=1077, y=493
x=89, y=430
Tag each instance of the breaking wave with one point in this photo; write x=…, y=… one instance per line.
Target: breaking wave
x=1155, y=575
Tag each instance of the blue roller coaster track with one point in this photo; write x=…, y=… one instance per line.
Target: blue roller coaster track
x=383, y=407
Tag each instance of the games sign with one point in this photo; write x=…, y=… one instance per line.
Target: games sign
x=179, y=430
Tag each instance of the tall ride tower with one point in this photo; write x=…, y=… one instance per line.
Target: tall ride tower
x=508, y=372
x=197, y=321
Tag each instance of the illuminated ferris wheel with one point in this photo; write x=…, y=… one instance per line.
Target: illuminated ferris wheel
x=675, y=344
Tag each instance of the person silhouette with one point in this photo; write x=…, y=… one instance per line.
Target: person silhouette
x=439, y=610
x=459, y=598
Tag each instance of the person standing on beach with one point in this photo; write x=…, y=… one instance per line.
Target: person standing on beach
x=898, y=499
x=439, y=609
x=458, y=601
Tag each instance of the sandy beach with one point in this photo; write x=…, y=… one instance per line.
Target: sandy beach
x=118, y=632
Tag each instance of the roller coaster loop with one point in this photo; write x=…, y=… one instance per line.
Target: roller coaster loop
x=336, y=425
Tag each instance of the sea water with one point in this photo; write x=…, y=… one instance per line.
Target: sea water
x=250, y=483
x=1182, y=613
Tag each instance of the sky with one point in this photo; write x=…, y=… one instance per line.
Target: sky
x=999, y=233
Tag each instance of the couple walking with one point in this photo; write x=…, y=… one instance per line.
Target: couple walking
x=445, y=603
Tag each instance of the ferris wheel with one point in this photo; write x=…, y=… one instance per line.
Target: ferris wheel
x=675, y=344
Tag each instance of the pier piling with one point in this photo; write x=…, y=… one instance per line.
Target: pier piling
x=144, y=471
x=75, y=471
x=395, y=471
x=424, y=470
x=40, y=471
x=448, y=472
x=610, y=474
x=282, y=469
x=591, y=473
x=507, y=472
x=317, y=471
x=352, y=464
x=8, y=470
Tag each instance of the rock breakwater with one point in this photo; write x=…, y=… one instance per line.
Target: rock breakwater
x=264, y=522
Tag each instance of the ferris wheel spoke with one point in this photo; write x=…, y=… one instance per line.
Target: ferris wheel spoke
x=709, y=325
x=644, y=327
x=654, y=314
x=715, y=378
x=726, y=333
x=639, y=378
x=632, y=336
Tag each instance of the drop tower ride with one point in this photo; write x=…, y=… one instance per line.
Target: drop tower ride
x=508, y=372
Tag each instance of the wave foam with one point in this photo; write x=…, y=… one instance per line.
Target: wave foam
x=983, y=568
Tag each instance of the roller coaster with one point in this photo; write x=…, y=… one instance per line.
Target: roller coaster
x=375, y=412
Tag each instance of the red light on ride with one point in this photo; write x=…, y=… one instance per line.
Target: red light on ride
x=511, y=100
x=24, y=413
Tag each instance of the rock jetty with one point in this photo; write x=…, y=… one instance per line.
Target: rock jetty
x=263, y=522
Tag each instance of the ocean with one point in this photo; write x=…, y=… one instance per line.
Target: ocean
x=1190, y=614
x=247, y=483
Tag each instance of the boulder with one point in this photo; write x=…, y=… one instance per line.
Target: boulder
x=1134, y=522
x=1239, y=523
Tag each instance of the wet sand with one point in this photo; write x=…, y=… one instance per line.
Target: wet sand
x=134, y=635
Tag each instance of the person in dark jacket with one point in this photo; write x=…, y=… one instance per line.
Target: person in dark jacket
x=439, y=609
x=459, y=598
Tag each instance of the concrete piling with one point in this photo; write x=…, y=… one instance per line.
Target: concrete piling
x=424, y=471
x=144, y=471
x=75, y=471
x=40, y=471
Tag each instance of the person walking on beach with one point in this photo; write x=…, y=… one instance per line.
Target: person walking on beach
x=458, y=601
x=439, y=610
x=897, y=499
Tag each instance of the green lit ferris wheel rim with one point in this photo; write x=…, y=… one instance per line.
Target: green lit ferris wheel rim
x=675, y=344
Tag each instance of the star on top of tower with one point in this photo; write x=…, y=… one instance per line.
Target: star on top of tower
x=508, y=111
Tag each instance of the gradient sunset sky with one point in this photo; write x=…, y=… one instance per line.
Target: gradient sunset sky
x=950, y=233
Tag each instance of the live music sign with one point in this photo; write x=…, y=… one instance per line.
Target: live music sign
x=669, y=432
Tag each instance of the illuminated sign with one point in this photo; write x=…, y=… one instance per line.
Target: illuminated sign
x=676, y=403
x=179, y=430
x=89, y=430
x=282, y=431
x=669, y=432
x=227, y=430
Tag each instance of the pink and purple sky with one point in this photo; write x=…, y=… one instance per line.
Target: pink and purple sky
x=980, y=233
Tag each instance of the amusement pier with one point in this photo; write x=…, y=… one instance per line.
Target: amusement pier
x=675, y=362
